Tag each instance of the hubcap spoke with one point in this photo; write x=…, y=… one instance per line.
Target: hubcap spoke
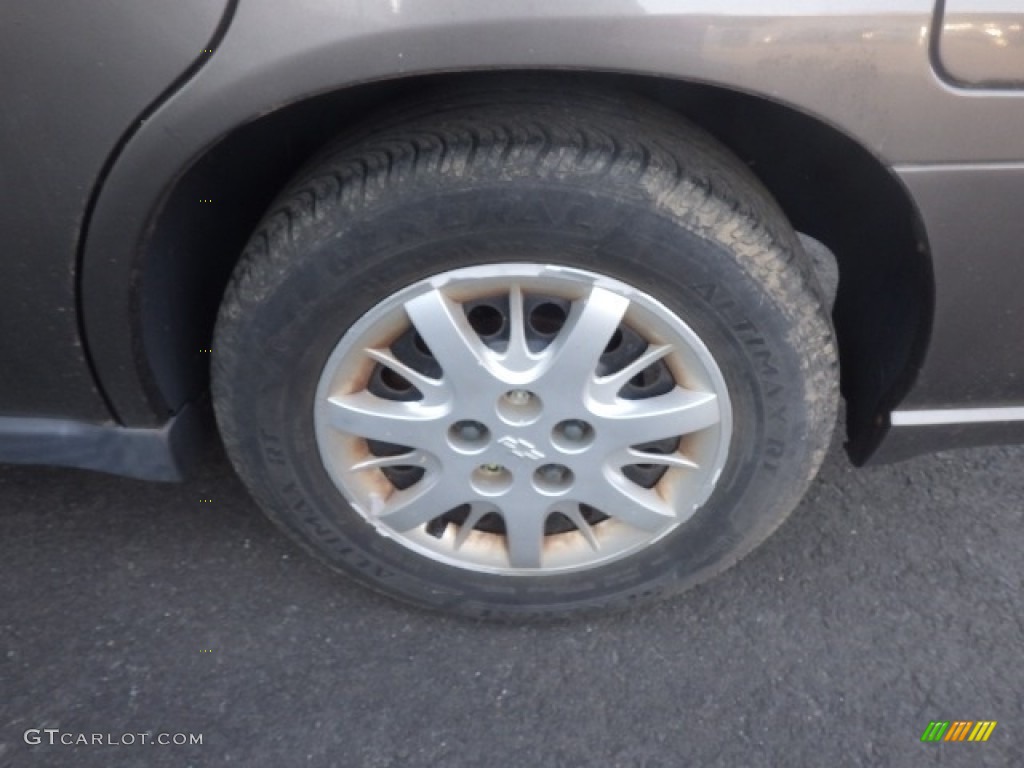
x=607, y=388
x=374, y=418
x=433, y=390
x=476, y=514
x=452, y=341
x=524, y=534
x=675, y=413
x=409, y=459
x=518, y=356
x=575, y=515
x=587, y=331
x=639, y=507
x=627, y=456
x=418, y=505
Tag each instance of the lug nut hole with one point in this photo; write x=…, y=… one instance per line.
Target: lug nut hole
x=519, y=406
x=553, y=479
x=572, y=435
x=468, y=436
x=491, y=480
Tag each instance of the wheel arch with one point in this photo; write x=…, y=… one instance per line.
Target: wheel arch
x=829, y=185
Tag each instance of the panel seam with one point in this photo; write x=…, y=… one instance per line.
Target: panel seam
x=220, y=31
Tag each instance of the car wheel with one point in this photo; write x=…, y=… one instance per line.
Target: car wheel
x=524, y=355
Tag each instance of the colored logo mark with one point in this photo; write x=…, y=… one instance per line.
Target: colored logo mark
x=958, y=730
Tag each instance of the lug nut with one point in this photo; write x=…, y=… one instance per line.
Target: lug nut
x=572, y=435
x=492, y=469
x=519, y=397
x=553, y=473
x=553, y=479
x=574, y=430
x=470, y=430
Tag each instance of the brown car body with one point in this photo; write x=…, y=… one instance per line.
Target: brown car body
x=891, y=132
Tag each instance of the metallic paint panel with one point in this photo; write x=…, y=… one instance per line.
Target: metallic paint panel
x=863, y=66
x=75, y=76
x=982, y=43
x=974, y=218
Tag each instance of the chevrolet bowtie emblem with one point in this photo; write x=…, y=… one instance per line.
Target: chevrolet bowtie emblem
x=524, y=449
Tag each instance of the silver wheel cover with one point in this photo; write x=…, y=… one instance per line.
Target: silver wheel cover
x=522, y=453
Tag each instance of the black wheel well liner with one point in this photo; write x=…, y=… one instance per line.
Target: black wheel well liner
x=829, y=186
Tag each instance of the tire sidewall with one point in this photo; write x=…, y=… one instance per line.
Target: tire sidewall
x=338, y=272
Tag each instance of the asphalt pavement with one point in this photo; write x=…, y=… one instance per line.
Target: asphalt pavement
x=890, y=599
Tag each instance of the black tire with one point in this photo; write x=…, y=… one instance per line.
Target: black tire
x=610, y=184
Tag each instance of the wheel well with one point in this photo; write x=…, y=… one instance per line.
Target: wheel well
x=829, y=186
